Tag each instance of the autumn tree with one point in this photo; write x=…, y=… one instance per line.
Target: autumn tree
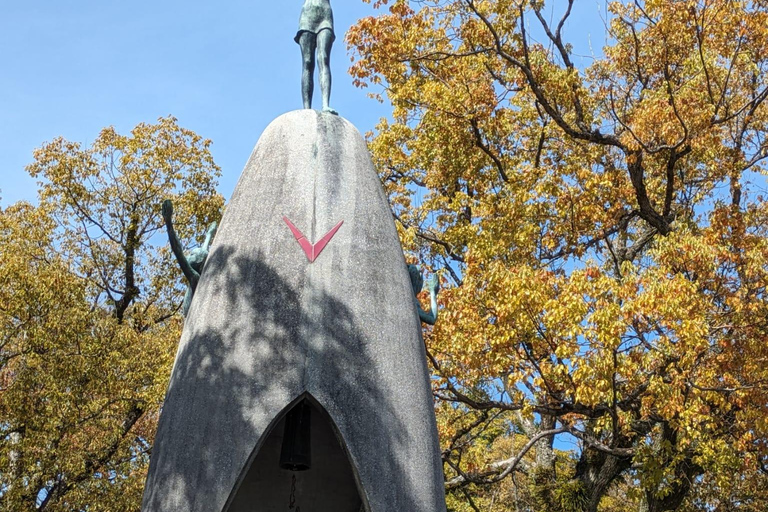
x=89, y=314
x=604, y=238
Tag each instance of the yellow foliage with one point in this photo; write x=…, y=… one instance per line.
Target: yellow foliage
x=89, y=321
x=601, y=229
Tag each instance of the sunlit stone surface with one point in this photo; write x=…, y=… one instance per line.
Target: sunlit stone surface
x=267, y=327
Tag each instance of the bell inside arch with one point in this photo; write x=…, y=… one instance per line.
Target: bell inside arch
x=296, y=451
x=304, y=439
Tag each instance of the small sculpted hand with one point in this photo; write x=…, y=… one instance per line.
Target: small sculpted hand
x=167, y=211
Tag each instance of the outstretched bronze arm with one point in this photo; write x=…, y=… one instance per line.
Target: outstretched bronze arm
x=417, y=282
x=433, y=287
x=209, y=236
x=193, y=277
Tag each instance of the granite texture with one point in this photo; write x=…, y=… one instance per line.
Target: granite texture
x=267, y=327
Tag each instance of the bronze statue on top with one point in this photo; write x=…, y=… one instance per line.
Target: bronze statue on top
x=192, y=263
x=315, y=37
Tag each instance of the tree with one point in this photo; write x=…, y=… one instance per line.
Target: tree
x=89, y=323
x=605, y=238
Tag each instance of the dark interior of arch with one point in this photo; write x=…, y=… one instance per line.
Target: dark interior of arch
x=327, y=486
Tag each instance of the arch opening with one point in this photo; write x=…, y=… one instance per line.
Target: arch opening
x=328, y=484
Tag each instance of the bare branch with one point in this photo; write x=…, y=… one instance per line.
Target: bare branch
x=590, y=136
x=484, y=147
x=504, y=468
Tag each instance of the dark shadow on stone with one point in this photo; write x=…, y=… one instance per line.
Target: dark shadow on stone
x=252, y=351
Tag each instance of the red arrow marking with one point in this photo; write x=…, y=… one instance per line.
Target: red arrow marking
x=312, y=250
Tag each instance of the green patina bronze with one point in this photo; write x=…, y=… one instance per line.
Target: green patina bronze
x=193, y=262
x=315, y=37
x=417, y=282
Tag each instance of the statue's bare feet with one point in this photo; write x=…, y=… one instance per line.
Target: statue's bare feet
x=329, y=110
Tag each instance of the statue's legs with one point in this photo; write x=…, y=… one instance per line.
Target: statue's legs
x=308, y=44
x=324, y=44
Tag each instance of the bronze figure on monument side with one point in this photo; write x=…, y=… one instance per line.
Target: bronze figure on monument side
x=417, y=282
x=192, y=263
x=315, y=37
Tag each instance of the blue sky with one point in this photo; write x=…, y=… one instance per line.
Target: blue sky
x=225, y=69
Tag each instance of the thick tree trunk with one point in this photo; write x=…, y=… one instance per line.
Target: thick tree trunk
x=596, y=471
x=686, y=472
x=544, y=472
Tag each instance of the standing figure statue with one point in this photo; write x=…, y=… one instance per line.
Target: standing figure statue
x=417, y=282
x=315, y=37
x=192, y=263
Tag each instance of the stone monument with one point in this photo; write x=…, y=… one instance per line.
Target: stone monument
x=300, y=383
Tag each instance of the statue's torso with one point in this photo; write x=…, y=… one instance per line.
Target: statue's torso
x=196, y=258
x=316, y=15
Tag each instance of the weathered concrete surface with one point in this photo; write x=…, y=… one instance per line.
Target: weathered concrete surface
x=266, y=326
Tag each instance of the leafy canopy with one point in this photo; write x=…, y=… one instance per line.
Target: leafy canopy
x=89, y=323
x=606, y=240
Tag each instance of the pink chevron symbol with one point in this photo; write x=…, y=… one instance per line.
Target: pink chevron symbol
x=312, y=250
